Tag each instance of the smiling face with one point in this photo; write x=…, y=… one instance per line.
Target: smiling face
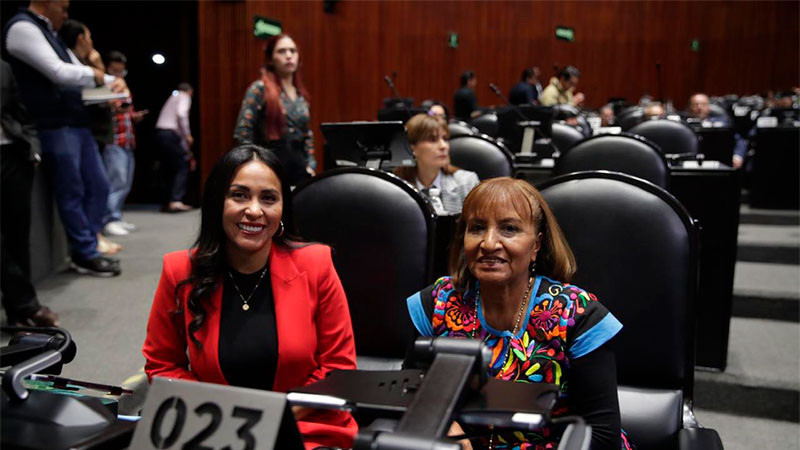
x=285, y=57
x=252, y=211
x=500, y=242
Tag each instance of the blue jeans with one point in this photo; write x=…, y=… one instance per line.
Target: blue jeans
x=80, y=185
x=175, y=165
x=120, y=164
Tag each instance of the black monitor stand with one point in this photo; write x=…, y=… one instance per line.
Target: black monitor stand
x=367, y=144
x=454, y=387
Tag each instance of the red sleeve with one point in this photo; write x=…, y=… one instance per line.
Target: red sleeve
x=336, y=348
x=165, y=343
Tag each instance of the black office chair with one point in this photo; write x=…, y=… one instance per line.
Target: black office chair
x=716, y=110
x=674, y=138
x=626, y=153
x=566, y=111
x=486, y=124
x=458, y=128
x=630, y=117
x=565, y=136
x=636, y=249
x=381, y=230
x=482, y=155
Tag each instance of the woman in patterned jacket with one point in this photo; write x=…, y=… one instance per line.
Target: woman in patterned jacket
x=275, y=111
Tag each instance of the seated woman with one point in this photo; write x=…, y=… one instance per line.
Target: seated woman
x=433, y=173
x=248, y=305
x=509, y=286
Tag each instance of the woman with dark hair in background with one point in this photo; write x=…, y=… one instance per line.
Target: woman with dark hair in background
x=510, y=269
x=249, y=305
x=433, y=174
x=275, y=111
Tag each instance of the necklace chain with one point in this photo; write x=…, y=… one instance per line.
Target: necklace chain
x=245, y=305
x=522, y=305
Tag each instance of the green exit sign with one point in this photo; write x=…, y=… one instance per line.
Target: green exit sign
x=695, y=46
x=265, y=28
x=565, y=33
x=452, y=40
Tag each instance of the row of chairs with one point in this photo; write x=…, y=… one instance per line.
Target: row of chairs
x=383, y=231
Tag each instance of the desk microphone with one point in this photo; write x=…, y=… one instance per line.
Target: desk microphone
x=497, y=92
x=390, y=83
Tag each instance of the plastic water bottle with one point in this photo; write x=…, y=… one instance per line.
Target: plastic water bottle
x=436, y=201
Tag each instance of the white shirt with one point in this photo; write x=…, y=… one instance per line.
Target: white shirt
x=26, y=42
x=175, y=113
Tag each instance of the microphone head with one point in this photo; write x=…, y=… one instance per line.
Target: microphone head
x=388, y=80
x=494, y=88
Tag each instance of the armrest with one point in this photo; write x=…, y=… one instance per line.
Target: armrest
x=699, y=439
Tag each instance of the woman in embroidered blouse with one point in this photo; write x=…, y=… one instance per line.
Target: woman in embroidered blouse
x=275, y=111
x=510, y=268
x=248, y=305
x=428, y=136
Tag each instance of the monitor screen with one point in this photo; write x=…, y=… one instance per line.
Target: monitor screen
x=508, y=119
x=371, y=144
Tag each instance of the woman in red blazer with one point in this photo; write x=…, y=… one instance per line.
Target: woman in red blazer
x=217, y=317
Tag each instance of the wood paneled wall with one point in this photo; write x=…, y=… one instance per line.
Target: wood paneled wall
x=745, y=47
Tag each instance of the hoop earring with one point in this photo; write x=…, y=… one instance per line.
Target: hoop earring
x=281, y=228
x=532, y=268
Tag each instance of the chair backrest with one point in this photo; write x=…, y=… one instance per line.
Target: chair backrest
x=672, y=136
x=625, y=153
x=630, y=117
x=381, y=230
x=458, y=128
x=565, y=136
x=482, y=155
x=636, y=249
x=486, y=124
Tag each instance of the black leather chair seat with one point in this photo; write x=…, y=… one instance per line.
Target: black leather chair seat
x=673, y=137
x=482, y=155
x=651, y=416
x=625, y=153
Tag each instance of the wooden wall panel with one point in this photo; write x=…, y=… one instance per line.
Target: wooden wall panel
x=745, y=47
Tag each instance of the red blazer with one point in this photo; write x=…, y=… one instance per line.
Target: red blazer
x=315, y=335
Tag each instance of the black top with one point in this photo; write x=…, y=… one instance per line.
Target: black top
x=248, y=340
x=523, y=93
x=464, y=102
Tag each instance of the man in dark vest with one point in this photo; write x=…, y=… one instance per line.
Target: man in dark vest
x=50, y=80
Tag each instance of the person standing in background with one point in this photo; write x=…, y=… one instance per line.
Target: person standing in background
x=118, y=156
x=275, y=112
x=465, y=104
x=80, y=46
x=527, y=91
x=50, y=81
x=19, y=155
x=174, y=137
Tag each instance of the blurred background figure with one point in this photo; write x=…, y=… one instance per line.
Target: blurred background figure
x=465, y=104
x=174, y=138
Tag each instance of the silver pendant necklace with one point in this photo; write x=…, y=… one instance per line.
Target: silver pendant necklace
x=245, y=305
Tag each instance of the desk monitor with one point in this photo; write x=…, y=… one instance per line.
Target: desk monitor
x=369, y=144
x=508, y=119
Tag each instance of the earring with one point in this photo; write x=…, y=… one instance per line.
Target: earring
x=281, y=229
x=532, y=268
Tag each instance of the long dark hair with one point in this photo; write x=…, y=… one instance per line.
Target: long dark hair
x=208, y=256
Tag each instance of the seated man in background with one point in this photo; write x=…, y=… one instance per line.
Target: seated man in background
x=654, y=110
x=607, y=118
x=560, y=90
x=465, y=104
x=527, y=91
x=699, y=110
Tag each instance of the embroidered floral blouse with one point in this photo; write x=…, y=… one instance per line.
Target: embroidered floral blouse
x=563, y=323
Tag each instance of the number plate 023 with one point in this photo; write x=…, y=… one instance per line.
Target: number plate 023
x=181, y=414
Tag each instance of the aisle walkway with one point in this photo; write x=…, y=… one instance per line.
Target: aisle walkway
x=107, y=317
